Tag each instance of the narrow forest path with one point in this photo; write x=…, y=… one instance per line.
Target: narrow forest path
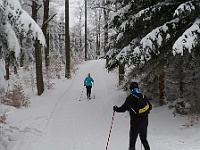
x=81, y=125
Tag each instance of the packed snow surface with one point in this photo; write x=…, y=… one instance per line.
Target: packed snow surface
x=57, y=120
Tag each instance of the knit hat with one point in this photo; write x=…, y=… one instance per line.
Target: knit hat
x=88, y=74
x=133, y=85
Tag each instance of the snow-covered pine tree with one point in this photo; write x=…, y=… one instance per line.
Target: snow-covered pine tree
x=13, y=18
x=147, y=35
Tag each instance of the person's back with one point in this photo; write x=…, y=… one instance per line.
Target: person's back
x=135, y=100
x=88, y=83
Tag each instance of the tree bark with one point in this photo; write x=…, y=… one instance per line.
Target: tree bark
x=85, y=30
x=38, y=54
x=99, y=33
x=67, y=40
x=7, y=65
x=106, y=14
x=39, y=75
x=44, y=30
x=161, y=89
x=121, y=73
x=97, y=14
x=21, y=51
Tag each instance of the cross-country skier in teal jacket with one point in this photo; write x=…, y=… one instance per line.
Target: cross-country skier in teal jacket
x=88, y=83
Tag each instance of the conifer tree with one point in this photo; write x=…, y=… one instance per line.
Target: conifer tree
x=149, y=34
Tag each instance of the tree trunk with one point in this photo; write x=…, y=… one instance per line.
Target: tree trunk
x=121, y=73
x=39, y=76
x=161, y=89
x=67, y=40
x=106, y=14
x=97, y=33
x=44, y=30
x=7, y=65
x=14, y=61
x=38, y=54
x=21, y=51
x=34, y=10
x=85, y=30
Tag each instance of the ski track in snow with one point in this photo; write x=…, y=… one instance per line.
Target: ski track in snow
x=57, y=120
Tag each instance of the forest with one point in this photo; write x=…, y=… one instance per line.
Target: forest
x=155, y=42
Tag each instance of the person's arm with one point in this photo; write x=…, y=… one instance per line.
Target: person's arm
x=150, y=106
x=125, y=106
x=85, y=82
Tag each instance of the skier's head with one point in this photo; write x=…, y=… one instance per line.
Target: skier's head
x=88, y=74
x=133, y=85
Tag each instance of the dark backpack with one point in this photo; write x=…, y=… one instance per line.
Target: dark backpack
x=142, y=106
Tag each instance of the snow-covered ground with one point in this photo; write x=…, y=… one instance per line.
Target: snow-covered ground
x=57, y=120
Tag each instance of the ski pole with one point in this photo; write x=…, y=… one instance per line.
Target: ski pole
x=110, y=129
x=81, y=94
x=94, y=90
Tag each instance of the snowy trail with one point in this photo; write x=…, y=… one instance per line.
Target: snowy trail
x=80, y=125
x=57, y=120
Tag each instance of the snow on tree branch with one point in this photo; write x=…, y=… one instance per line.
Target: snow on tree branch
x=27, y=23
x=188, y=40
x=13, y=44
x=153, y=40
x=123, y=53
x=183, y=8
x=120, y=13
x=20, y=19
x=146, y=13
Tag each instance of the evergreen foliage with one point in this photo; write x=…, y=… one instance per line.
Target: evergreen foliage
x=159, y=38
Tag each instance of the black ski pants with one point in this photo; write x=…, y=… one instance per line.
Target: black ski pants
x=138, y=127
x=88, y=91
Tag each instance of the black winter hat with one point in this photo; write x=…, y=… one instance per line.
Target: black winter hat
x=133, y=85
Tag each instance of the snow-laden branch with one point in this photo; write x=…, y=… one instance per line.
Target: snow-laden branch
x=13, y=43
x=124, y=53
x=155, y=38
x=185, y=7
x=20, y=19
x=27, y=24
x=188, y=40
x=147, y=12
x=120, y=12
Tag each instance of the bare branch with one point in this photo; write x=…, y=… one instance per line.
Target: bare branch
x=102, y=7
x=39, y=7
x=50, y=18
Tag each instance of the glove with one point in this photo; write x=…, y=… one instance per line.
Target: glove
x=115, y=108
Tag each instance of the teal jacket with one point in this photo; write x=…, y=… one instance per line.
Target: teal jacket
x=88, y=81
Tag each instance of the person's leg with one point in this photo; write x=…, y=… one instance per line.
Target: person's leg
x=89, y=91
x=133, y=136
x=143, y=134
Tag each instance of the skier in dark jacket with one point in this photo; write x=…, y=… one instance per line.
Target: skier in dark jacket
x=88, y=83
x=138, y=123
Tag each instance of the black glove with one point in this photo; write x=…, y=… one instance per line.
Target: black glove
x=115, y=108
